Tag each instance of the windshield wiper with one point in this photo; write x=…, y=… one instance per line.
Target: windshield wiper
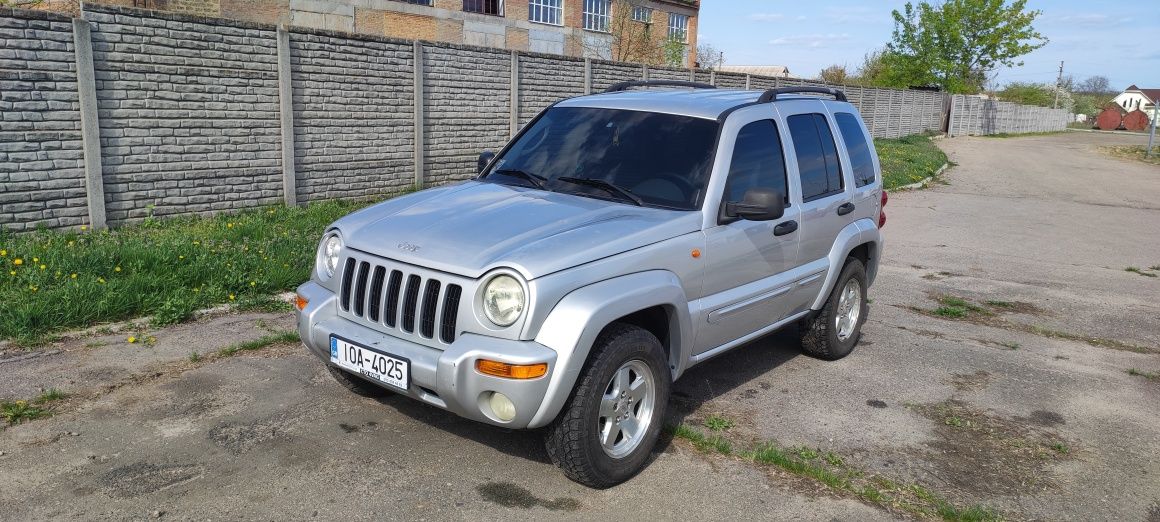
x=611, y=188
x=536, y=180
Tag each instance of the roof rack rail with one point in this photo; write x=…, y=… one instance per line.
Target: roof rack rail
x=624, y=86
x=771, y=94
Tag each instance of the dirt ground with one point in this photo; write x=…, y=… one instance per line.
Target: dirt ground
x=1022, y=402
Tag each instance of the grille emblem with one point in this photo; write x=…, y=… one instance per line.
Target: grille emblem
x=408, y=247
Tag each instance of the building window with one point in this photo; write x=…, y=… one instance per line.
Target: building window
x=642, y=14
x=596, y=15
x=679, y=27
x=546, y=11
x=488, y=7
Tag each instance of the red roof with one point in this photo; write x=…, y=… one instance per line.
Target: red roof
x=1151, y=94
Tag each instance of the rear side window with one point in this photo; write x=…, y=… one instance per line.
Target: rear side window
x=757, y=161
x=817, y=156
x=861, y=160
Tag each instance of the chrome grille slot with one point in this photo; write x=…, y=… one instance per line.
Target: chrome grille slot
x=391, y=296
x=410, y=301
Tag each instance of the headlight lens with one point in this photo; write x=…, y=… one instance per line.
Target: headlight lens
x=331, y=248
x=503, y=300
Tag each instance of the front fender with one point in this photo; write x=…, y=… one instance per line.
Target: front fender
x=857, y=233
x=575, y=322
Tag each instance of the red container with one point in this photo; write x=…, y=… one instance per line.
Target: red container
x=1109, y=119
x=1136, y=120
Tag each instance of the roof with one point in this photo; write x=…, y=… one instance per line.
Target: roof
x=1151, y=94
x=759, y=70
x=698, y=103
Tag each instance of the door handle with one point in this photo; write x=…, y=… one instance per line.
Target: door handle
x=787, y=227
x=846, y=208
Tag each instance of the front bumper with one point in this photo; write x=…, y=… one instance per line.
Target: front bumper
x=443, y=378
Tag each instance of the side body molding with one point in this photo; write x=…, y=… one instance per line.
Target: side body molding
x=572, y=326
x=855, y=234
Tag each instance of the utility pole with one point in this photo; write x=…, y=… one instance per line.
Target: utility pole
x=1058, y=83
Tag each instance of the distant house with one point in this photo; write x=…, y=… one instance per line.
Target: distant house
x=779, y=71
x=1136, y=98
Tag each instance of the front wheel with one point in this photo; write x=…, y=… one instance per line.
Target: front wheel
x=834, y=331
x=609, y=426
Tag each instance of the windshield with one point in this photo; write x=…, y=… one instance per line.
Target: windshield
x=661, y=160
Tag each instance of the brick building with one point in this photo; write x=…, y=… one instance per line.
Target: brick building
x=661, y=32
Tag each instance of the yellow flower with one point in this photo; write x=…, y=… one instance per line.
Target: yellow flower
x=132, y=339
x=180, y=257
x=12, y=272
x=230, y=225
x=231, y=297
x=42, y=267
x=3, y=253
x=197, y=242
x=101, y=280
x=36, y=260
x=252, y=283
x=196, y=290
x=18, y=261
x=84, y=227
x=74, y=276
x=118, y=269
x=70, y=243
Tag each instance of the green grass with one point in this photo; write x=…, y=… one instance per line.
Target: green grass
x=908, y=160
x=830, y=470
x=16, y=412
x=51, y=281
x=1135, y=270
x=1000, y=304
x=718, y=423
x=1010, y=345
x=259, y=343
x=1151, y=376
x=953, y=312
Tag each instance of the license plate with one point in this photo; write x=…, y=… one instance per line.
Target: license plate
x=371, y=363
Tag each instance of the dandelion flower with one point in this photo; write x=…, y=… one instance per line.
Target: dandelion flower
x=132, y=339
x=101, y=280
x=231, y=297
x=70, y=243
x=36, y=260
x=229, y=225
x=74, y=276
x=11, y=272
x=18, y=261
x=180, y=257
x=118, y=269
x=42, y=267
x=84, y=227
x=252, y=283
x=3, y=253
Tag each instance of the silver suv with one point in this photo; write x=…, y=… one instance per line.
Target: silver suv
x=617, y=241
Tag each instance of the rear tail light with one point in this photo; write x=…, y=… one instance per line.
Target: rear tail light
x=882, y=210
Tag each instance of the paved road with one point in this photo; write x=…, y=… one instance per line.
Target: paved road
x=966, y=408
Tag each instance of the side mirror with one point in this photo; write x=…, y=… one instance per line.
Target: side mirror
x=485, y=158
x=758, y=204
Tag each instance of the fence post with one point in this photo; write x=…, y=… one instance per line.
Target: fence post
x=514, y=124
x=588, y=76
x=644, y=72
x=692, y=74
x=712, y=77
x=748, y=81
x=951, y=118
x=420, y=117
x=90, y=126
x=286, y=116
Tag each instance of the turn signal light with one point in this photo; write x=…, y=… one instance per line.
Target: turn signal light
x=300, y=302
x=511, y=371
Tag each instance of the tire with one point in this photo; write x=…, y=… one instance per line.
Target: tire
x=575, y=440
x=355, y=384
x=822, y=336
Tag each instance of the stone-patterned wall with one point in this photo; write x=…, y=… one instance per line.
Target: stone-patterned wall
x=42, y=178
x=188, y=110
x=354, y=133
x=605, y=74
x=467, y=93
x=544, y=80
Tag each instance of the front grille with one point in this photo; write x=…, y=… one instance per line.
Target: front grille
x=389, y=296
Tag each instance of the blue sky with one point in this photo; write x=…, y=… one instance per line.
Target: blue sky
x=1117, y=39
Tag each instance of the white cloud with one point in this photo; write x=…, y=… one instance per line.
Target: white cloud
x=811, y=40
x=766, y=17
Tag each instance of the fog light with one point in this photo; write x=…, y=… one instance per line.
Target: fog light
x=502, y=407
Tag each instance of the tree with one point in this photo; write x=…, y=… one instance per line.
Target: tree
x=1040, y=94
x=1095, y=85
x=709, y=56
x=958, y=43
x=632, y=40
x=835, y=74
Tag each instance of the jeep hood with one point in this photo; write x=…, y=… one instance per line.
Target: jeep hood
x=473, y=227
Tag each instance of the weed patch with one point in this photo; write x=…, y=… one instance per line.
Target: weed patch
x=19, y=411
x=1144, y=273
x=829, y=469
x=908, y=160
x=52, y=281
x=1151, y=376
x=259, y=343
x=1134, y=152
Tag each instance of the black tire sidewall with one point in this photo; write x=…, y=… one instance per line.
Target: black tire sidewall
x=632, y=344
x=853, y=269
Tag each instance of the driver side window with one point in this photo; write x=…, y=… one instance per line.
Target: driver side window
x=757, y=161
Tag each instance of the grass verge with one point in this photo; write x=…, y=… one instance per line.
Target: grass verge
x=1134, y=152
x=51, y=281
x=16, y=412
x=908, y=160
x=830, y=470
x=256, y=344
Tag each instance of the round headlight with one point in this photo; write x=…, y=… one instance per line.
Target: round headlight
x=331, y=249
x=503, y=300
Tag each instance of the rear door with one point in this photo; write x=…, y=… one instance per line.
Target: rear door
x=863, y=163
x=826, y=199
